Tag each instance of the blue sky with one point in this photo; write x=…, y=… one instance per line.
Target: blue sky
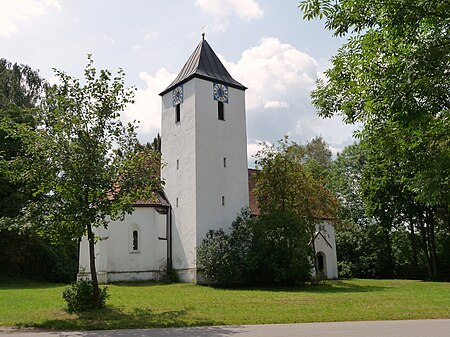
x=264, y=44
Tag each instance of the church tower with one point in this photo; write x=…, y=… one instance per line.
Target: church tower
x=204, y=151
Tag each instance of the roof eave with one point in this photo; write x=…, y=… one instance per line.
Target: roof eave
x=203, y=77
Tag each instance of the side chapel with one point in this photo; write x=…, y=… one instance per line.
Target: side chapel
x=207, y=182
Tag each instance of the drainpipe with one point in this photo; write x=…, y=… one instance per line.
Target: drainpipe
x=169, y=238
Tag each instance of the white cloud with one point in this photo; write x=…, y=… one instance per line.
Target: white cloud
x=150, y=35
x=221, y=10
x=147, y=106
x=108, y=39
x=14, y=12
x=275, y=73
x=275, y=104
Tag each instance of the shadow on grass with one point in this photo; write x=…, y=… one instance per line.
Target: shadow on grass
x=116, y=318
x=330, y=286
x=6, y=284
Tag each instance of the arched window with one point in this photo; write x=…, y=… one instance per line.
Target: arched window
x=135, y=240
x=321, y=263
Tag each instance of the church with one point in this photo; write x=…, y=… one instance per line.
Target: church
x=207, y=182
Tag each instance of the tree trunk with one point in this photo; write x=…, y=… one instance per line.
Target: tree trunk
x=423, y=236
x=412, y=236
x=432, y=243
x=389, y=251
x=96, y=290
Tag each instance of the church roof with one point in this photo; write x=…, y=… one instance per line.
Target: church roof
x=204, y=64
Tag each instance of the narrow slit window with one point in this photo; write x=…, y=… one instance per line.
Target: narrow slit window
x=176, y=202
x=223, y=200
x=135, y=240
x=220, y=111
x=177, y=113
x=224, y=162
x=178, y=164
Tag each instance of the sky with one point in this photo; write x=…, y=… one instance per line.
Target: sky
x=265, y=45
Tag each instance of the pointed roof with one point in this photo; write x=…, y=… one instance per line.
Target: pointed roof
x=204, y=64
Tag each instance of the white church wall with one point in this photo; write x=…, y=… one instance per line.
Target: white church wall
x=115, y=258
x=326, y=245
x=193, y=151
x=218, y=139
x=178, y=144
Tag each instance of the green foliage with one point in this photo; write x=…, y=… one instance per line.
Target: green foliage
x=82, y=158
x=27, y=255
x=20, y=92
x=292, y=179
x=270, y=249
x=281, y=252
x=392, y=77
x=215, y=257
x=79, y=296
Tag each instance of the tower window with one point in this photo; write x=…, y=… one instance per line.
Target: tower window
x=176, y=202
x=178, y=164
x=224, y=162
x=135, y=240
x=220, y=111
x=177, y=113
x=223, y=200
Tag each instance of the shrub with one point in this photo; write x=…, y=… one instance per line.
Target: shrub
x=281, y=252
x=80, y=296
x=270, y=249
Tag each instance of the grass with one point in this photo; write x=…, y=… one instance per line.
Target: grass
x=148, y=305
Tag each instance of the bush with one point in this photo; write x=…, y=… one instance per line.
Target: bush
x=80, y=296
x=215, y=257
x=26, y=255
x=270, y=249
x=281, y=252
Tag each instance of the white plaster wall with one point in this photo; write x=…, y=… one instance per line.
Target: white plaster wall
x=115, y=259
x=178, y=142
x=215, y=140
x=321, y=245
x=200, y=141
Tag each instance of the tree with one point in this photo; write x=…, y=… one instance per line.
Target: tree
x=23, y=253
x=317, y=157
x=269, y=249
x=392, y=77
x=286, y=184
x=83, y=158
x=20, y=92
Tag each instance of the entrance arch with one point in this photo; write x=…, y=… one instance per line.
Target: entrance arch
x=321, y=264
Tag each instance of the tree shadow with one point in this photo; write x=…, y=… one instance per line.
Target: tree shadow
x=118, y=318
x=328, y=286
x=14, y=284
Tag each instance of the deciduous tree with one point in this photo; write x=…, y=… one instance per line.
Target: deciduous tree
x=83, y=158
x=392, y=76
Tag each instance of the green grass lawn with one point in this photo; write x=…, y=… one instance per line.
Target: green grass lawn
x=146, y=305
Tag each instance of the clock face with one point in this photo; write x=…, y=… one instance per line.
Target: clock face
x=177, y=95
x=220, y=92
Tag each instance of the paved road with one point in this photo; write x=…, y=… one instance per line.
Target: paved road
x=416, y=328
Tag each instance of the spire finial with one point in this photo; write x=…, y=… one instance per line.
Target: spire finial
x=203, y=32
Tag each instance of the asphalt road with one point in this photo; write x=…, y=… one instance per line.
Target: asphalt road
x=414, y=328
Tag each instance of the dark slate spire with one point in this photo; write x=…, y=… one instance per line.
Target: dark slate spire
x=204, y=64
